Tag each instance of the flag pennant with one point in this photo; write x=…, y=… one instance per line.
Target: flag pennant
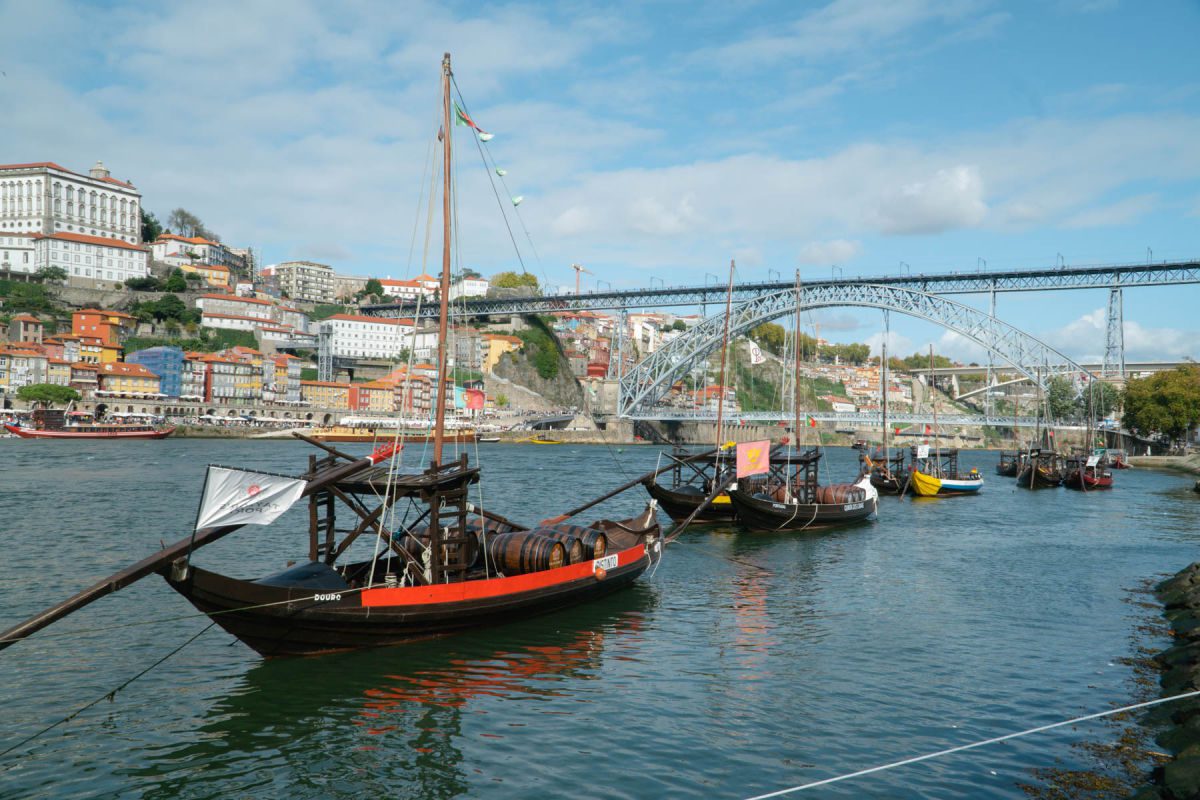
x=501, y=172
x=810, y=422
x=238, y=497
x=756, y=354
x=753, y=458
x=516, y=201
x=486, y=137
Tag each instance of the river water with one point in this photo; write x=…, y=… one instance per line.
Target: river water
x=747, y=663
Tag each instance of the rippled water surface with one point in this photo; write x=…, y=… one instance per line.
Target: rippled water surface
x=747, y=663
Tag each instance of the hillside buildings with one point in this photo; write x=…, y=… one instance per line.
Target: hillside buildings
x=88, y=225
x=306, y=281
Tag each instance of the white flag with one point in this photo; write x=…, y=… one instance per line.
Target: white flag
x=922, y=451
x=756, y=355
x=237, y=497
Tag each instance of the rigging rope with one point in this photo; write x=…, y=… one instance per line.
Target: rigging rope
x=973, y=745
x=108, y=696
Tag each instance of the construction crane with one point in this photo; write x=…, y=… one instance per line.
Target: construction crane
x=578, y=269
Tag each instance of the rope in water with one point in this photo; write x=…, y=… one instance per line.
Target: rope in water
x=108, y=696
x=973, y=745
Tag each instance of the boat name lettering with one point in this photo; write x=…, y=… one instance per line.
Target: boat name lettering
x=321, y=598
x=780, y=506
x=608, y=562
x=250, y=508
x=852, y=506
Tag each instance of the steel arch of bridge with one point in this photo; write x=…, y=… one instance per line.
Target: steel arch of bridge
x=653, y=376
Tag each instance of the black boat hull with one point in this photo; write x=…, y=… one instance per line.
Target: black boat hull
x=1032, y=478
x=681, y=505
x=289, y=621
x=757, y=514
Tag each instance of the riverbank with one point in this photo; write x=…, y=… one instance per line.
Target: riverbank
x=1188, y=464
x=1180, y=777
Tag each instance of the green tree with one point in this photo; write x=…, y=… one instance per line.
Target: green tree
x=151, y=227
x=514, y=280
x=502, y=401
x=193, y=277
x=770, y=336
x=149, y=284
x=51, y=274
x=679, y=325
x=372, y=288
x=169, y=306
x=47, y=394
x=1165, y=403
x=1061, y=399
x=176, y=282
x=920, y=361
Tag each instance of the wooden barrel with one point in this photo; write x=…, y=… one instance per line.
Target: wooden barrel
x=595, y=543
x=523, y=551
x=838, y=493
x=572, y=545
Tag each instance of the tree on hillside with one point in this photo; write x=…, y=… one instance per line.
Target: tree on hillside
x=373, y=288
x=151, y=227
x=176, y=282
x=1165, y=403
x=1060, y=398
x=51, y=274
x=770, y=336
x=514, y=280
x=188, y=225
x=47, y=394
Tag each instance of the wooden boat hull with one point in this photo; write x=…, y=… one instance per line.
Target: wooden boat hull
x=1007, y=470
x=1033, y=478
x=758, y=514
x=1081, y=481
x=886, y=484
x=923, y=485
x=681, y=505
x=33, y=433
x=282, y=621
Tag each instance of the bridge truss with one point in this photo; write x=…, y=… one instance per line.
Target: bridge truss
x=1090, y=277
x=644, y=385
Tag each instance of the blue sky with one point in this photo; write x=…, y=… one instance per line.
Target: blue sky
x=654, y=140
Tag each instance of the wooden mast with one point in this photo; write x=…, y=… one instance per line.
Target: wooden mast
x=796, y=366
x=439, y=423
x=883, y=387
x=937, y=452
x=724, y=352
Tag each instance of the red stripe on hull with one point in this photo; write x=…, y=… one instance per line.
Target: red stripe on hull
x=29, y=433
x=493, y=587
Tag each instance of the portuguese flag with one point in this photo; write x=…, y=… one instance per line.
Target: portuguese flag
x=461, y=118
x=810, y=422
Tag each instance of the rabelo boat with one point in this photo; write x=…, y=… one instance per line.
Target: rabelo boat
x=441, y=566
x=1085, y=474
x=48, y=423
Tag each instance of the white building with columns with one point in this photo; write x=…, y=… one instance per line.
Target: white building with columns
x=45, y=199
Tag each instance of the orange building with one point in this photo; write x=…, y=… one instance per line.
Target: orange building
x=109, y=327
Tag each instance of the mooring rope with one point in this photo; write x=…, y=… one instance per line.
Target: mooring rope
x=973, y=745
x=103, y=697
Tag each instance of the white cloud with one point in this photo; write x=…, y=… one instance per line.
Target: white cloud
x=833, y=251
x=950, y=198
x=1083, y=339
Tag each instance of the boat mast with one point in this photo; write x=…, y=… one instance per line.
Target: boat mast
x=883, y=384
x=796, y=366
x=439, y=423
x=724, y=353
x=937, y=453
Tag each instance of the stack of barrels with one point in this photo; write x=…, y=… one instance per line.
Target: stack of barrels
x=549, y=547
x=838, y=493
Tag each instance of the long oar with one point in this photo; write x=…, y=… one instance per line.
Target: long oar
x=150, y=564
x=722, y=486
x=629, y=485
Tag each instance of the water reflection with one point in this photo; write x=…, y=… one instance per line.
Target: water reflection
x=396, y=715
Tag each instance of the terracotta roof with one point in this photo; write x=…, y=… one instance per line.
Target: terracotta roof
x=105, y=313
x=127, y=368
x=104, y=241
x=325, y=383
x=501, y=337
x=26, y=318
x=236, y=299
x=168, y=237
x=425, y=277
x=212, y=267
x=393, y=282
x=364, y=318
x=212, y=315
x=84, y=366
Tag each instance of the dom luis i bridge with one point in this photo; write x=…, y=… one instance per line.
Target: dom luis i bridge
x=1014, y=355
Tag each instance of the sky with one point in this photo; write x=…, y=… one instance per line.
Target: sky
x=654, y=142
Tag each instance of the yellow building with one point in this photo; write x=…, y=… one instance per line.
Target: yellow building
x=126, y=380
x=326, y=394
x=495, y=345
x=214, y=274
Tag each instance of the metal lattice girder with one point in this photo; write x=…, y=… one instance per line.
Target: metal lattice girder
x=1034, y=280
x=651, y=379
x=1114, y=341
x=857, y=419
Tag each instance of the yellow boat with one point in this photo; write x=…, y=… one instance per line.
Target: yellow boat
x=924, y=485
x=540, y=440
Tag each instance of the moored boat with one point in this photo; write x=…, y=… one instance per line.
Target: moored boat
x=382, y=433
x=689, y=482
x=1084, y=473
x=789, y=498
x=937, y=474
x=1042, y=469
x=1009, y=464
x=53, y=424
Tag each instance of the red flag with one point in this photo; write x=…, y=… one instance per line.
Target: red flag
x=474, y=399
x=928, y=429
